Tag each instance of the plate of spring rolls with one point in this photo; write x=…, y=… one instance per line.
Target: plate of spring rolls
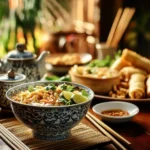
x=134, y=85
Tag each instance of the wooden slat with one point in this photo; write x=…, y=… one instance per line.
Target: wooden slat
x=82, y=137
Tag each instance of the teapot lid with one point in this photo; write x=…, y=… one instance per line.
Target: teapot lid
x=11, y=76
x=20, y=52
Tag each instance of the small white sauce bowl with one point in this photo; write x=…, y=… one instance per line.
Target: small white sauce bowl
x=129, y=107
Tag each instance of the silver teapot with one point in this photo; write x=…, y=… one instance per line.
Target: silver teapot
x=24, y=62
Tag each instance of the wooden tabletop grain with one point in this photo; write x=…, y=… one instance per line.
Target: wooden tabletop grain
x=137, y=131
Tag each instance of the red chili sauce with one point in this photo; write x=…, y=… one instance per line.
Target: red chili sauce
x=115, y=112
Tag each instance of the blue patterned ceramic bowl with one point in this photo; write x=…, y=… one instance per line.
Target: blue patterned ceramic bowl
x=49, y=122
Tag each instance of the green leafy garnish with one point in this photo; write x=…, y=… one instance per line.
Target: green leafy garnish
x=63, y=86
x=106, y=62
x=65, y=78
x=67, y=87
x=100, y=63
x=65, y=101
x=51, y=87
x=52, y=78
x=70, y=88
x=85, y=93
x=56, y=78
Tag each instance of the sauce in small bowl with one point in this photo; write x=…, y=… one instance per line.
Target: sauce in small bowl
x=116, y=111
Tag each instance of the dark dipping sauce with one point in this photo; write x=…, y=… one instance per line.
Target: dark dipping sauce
x=115, y=112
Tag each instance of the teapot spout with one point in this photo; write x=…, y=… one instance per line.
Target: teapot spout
x=41, y=62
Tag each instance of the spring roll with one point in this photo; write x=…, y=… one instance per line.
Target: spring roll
x=120, y=63
x=136, y=59
x=126, y=72
x=148, y=86
x=137, y=86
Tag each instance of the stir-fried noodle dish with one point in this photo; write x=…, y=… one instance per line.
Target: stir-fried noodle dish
x=52, y=95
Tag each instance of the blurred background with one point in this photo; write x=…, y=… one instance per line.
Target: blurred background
x=70, y=25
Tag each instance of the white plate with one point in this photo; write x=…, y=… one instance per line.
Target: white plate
x=108, y=98
x=131, y=108
x=63, y=69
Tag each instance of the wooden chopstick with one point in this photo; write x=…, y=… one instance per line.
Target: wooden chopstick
x=114, y=26
x=122, y=25
x=110, y=130
x=12, y=138
x=8, y=142
x=119, y=145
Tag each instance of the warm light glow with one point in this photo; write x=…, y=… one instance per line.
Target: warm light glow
x=91, y=39
x=30, y=43
x=90, y=10
x=80, y=10
x=20, y=36
x=45, y=37
x=13, y=4
x=2, y=50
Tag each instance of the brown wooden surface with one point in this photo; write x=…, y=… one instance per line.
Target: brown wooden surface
x=136, y=131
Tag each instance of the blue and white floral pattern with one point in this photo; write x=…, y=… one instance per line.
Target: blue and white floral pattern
x=55, y=122
x=49, y=122
x=4, y=86
x=28, y=68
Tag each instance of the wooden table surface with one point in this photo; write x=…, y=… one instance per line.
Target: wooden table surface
x=136, y=131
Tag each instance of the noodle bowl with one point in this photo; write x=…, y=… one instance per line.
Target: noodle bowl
x=47, y=121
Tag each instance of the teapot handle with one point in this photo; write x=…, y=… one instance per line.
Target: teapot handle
x=2, y=66
x=1, y=63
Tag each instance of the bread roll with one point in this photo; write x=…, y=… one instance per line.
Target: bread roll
x=136, y=59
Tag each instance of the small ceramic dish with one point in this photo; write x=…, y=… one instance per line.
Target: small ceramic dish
x=116, y=105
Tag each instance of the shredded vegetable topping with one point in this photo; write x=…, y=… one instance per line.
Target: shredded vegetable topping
x=50, y=95
x=94, y=72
